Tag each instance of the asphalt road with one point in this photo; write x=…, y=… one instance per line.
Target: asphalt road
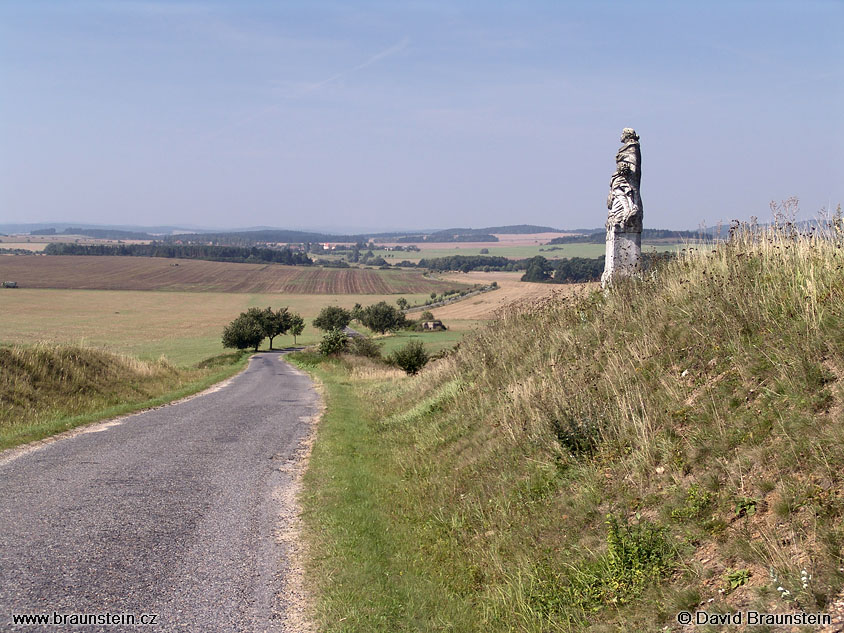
x=175, y=512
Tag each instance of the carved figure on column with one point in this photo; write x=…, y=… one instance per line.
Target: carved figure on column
x=624, y=221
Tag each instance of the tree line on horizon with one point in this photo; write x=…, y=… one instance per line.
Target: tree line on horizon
x=239, y=254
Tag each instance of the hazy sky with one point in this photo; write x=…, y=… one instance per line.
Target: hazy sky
x=415, y=114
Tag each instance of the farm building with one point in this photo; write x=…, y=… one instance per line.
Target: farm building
x=434, y=326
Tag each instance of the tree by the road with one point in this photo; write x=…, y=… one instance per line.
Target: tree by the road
x=297, y=325
x=256, y=324
x=273, y=323
x=332, y=318
x=245, y=331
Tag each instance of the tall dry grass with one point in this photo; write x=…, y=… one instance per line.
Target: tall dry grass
x=45, y=384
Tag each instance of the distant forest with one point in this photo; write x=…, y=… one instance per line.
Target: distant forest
x=578, y=269
x=252, y=254
x=448, y=236
x=647, y=234
x=538, y=269
x=103, y=234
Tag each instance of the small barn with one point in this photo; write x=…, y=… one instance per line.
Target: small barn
x=433, y=326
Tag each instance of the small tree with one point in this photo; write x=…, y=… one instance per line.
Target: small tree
x=427, y=315
x=245, y=331
x=382, y=317
x=274, y=323
x=332, y=318
x=297, y=325
x=402, y=303
x=333, y=342
x=411, y=358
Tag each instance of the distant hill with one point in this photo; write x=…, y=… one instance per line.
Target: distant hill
x=61, y=227
x=108, y=234
x=263, y=235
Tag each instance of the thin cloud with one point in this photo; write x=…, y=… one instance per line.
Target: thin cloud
x=387, y=52
x=377, y=57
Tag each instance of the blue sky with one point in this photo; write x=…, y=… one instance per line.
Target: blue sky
x=415, y=114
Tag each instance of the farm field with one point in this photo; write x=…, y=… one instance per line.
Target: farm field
x=184, y=326
x=154, y=273
x=463, y=316
x=433, y=341
x=35, y=247
x=504, y=240
x=483, y=307
x=39, y=242
x=560, y=251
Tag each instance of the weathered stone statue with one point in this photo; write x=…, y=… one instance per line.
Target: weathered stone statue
x=624, y=222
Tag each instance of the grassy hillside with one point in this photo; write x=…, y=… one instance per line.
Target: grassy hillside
x=601, y=462
x=47, y=388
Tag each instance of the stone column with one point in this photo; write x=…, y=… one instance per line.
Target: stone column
x=624, y=222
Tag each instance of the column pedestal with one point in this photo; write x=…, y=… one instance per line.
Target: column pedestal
x=623, y=256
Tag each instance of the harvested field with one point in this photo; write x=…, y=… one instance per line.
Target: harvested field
x=35, y=247
x=184, y=326
x=511, y=290
x=152, y=273
x=504, y=239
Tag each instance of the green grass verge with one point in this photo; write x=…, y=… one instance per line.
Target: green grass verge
x=367, y=576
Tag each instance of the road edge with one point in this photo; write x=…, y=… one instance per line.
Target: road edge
x=294, y=592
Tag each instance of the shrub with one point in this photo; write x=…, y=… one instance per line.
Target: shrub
x=637, y=555
x=697, y=500
x=411, y=358
x=334, y=342
x=427, y=315
x=365, y=347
